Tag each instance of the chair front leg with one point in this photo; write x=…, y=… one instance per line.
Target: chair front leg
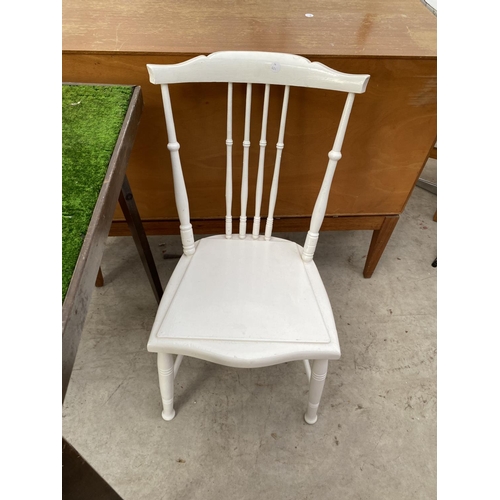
x=318, y=376
x=166, y=376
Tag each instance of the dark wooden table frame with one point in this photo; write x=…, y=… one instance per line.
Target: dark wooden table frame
x=80, y=480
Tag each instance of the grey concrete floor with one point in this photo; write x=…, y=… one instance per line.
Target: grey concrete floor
x=240, y=434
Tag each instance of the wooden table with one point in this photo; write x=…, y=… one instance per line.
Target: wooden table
x=392, y=127
x=77, y=473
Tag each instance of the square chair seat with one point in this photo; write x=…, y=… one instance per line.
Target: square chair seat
x=245, y=303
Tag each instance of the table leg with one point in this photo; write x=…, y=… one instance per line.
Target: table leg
x=129, y=209
x=99, y=281
x=377, y=246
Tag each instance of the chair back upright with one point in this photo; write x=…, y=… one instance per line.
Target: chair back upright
x=255, y=68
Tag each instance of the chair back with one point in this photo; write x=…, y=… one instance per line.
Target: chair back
x=255, y=68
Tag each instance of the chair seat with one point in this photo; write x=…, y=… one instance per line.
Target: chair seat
x=245, y=302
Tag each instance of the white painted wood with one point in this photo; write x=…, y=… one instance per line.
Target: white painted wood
x=233, y=344
x=166, y=376
x=231, y=352
x=181, y=198
x=242, y=275
x=279, y=150
x=248, y=302
x=257, y=67
x=318, y=376
x=244, y=174
x=321, y=202
x=260, y=172
x=229, y=161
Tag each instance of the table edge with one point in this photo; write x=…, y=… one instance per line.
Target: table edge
x=77, y=299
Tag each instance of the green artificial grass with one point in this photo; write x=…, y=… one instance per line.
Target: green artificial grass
x=92, y=117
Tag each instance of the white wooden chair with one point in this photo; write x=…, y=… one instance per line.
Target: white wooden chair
x=248, y=300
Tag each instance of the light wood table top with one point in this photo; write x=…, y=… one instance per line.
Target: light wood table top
x=383, y=28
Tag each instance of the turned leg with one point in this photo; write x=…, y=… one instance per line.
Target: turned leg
x=166, y=376
x=318, y=376
x=377, y=246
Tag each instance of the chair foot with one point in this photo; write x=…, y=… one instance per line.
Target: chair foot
x=311, y=422
x=318, y=376
x=168, y=416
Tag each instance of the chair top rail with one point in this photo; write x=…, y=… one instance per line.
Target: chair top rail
x=257, y=67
